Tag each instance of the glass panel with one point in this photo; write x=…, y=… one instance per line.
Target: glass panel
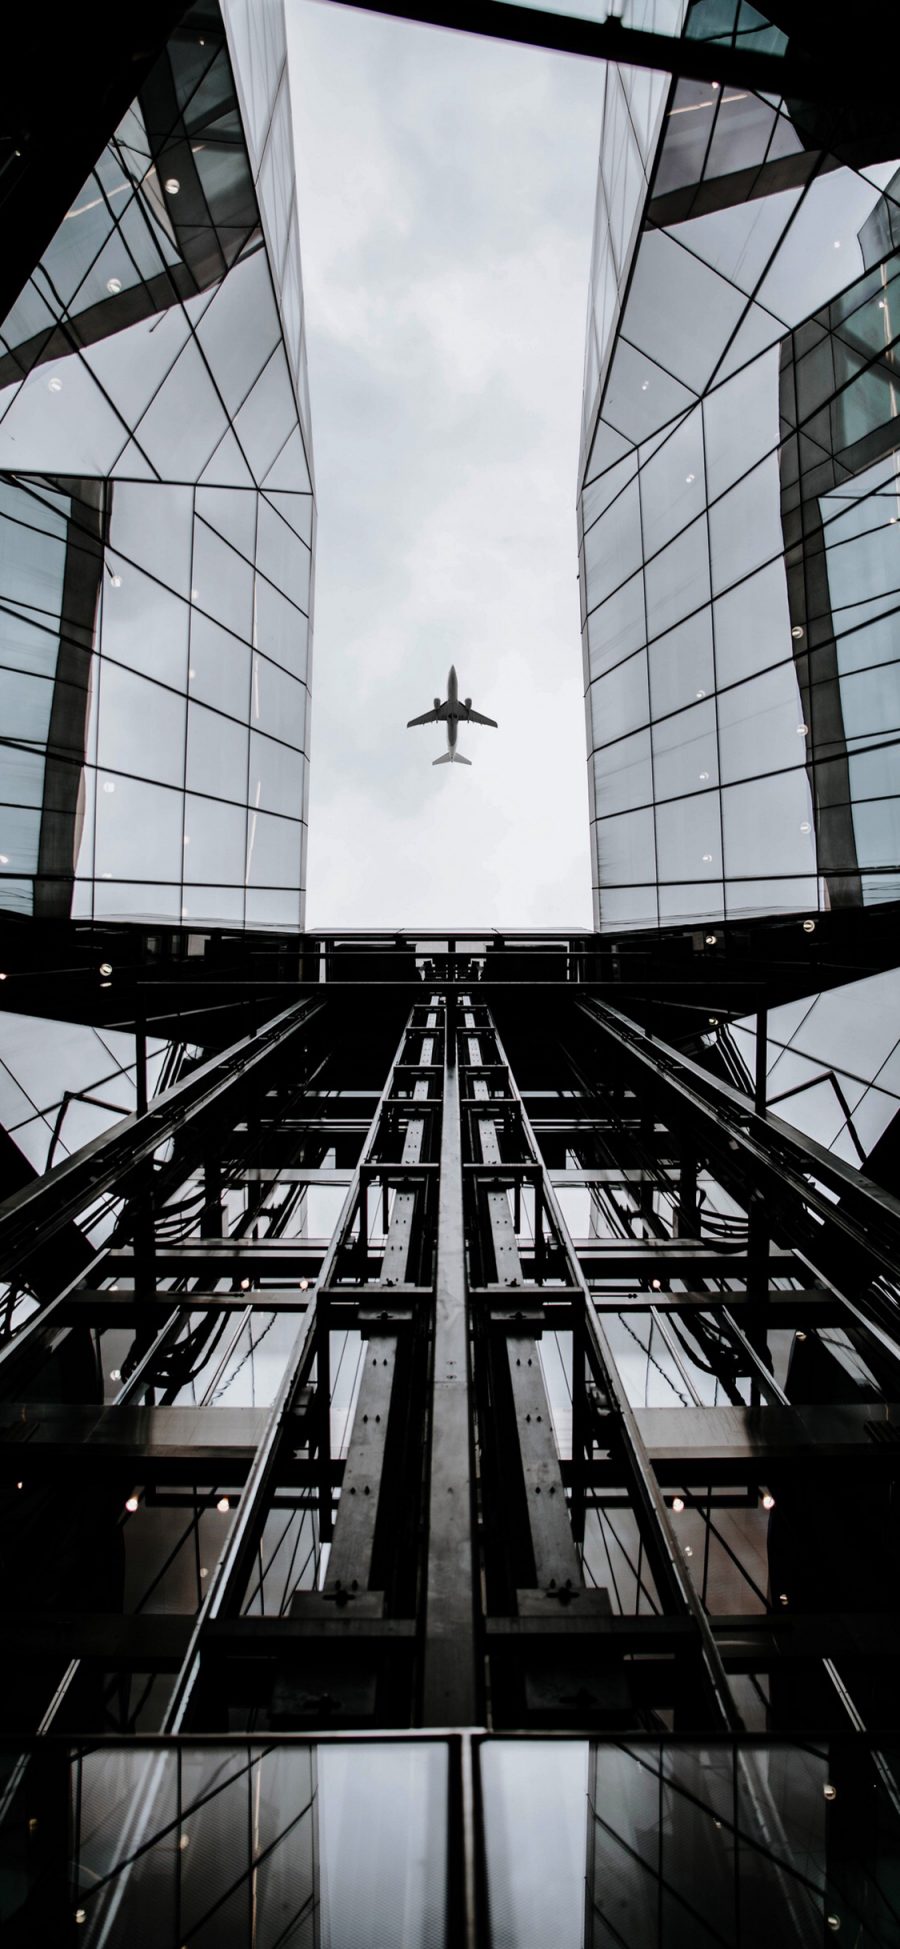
x=612, y=548
x=677, y=579
x=535, y=1798
x=768, y=827
x=684, y=751
x=222, y=581
x=282, y=557
x=143, y=624
x=216, y=755
x=620, y=700
x=679, y=311
x=672, y=484
x=618, y=627
x=742, y=423
x=151, y=526
x=214, y=842
x=681, y=665
x=688, y=839
x=278, y=702
x=276, y=776
x=141, y=726
x=752, y=625
x=273, y=851
x=219, y=671
x=759, y=725
x=239, y=330
x=138, y=831
x=625, y=851
x=623, y=776
x=281, y=630
x=745, y=525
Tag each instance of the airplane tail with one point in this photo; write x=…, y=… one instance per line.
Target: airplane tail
x=451, y=758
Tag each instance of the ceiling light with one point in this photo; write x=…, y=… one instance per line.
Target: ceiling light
x=184, y=1841
x=797, y=630
x=108, y=785
x=783, y=1598
x=802, y=730
x=768, y=1500
x=2, y=977
x=81, y=1914
x=834, y=1923
x=304, y=1285
x=113, y=286
x=115, y=1373
x=644, y=384
x=892, y=520
x=687, y=1550
x=172, y=186
x=186, y=840
x=711, y=940
x=678, y=1504
x=116, y=581
x=809, y=927
x=714, y=1021
x=54, y=385
x=203, y=1570
x=656, y=1285
x=881, y=304
x=701, y=693
x=703, y=777
x=689, y=478
x=800, y=1336
x=20, y=1485
x=245, y=1285
x=131, y=1505
x=805, y=826
x=707, y=859
x=4, y=859
x=829, y=1791
x=223, y=1505
x=714, y=84
x=191, y=675
x=837, y=243
x=195, y=593
x=106, y=967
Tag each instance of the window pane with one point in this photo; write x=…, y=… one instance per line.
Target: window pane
x=141, y=726
x=684, y=751
x=138, y=831
x=677, y=580
x=681, y=665
x=619, y=701
x=216, y=755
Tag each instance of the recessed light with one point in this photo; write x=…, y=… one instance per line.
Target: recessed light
x=172, y=186
x=881, y=304
x=115, y=1373
x=106, y=967
x=2, y=977
x=707, y=859
x=656, y=1285
x=809, y=927
x=678, y=1504
x=113, y=286
x=797, y=630
x=701, y=693
x=800, y=1336
x=131, y=1505
x=184, y=1841
x=714, y=84
x=837, y=243
x=768, y=1500
x=194, y=594
x=203, y=1570
x=783, y=1598
x=54, y=385
x=116, y=581
x=4, y=859
x=109, y=784
x=644, y=384
x=245, y=1285
x=704, y=775
x=689, y=478
x=711, y=940
x=829, y=1791
x=713, y=1021
x=803, y=730
x=805, y=826
x=687, y=1550
x=81, y=1915
x=223, y=1505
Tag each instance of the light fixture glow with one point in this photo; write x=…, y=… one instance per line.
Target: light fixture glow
x=881, y=304
x=783, y=1598
x=184, y=1841
x=689, y=478
x=678, y=1504
x=829, y=1791
x=223, y=1505
x=20, y=1485
x=172, y=186
x=106, y=967
x=797, y=630
x=656, y=1285
x=113, y=286
x=834, y=1923
x=711, y=940
x=707, y=859
x=115, y=581
x=191, y=675
x=304, y=1285
x=108, y=785
x=701, y=693
x=2, y=977
x=81, y=1915
x=704, y=775
x=802, y=730
x=132, y=1504
x=644, y=384
x=687, y=1550
x=805, y=826
x=194, y=595
x=203, y=1570
x=800, y=1336
x=245, y=1285
x=809, y=927
x=714, y=1021
x=4, y=859
x=54, y=385
x=837, y=243
x=768, y=1500
x=115, y=1373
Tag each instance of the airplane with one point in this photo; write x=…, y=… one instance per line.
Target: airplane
x=453, y=712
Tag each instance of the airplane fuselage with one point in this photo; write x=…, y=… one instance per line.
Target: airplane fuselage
x=453, y=700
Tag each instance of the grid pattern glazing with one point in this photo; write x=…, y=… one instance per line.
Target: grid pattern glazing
x=156, y=512
x=739, y=510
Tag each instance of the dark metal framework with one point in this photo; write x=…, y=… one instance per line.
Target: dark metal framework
x=505, y=1496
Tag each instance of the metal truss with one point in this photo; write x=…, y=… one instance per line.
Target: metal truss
x=510, y=1471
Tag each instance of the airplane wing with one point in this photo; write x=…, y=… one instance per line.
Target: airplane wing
x=475, y=717
x=427, y=717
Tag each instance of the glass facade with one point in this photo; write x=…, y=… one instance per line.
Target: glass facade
x=156, y=511
x=739, y=504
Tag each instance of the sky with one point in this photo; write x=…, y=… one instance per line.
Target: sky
x=446, y=194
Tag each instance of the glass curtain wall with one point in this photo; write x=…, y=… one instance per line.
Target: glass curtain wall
x=156, y=511
x=739, y=503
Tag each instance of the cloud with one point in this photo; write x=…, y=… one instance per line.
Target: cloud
x=446, y=201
